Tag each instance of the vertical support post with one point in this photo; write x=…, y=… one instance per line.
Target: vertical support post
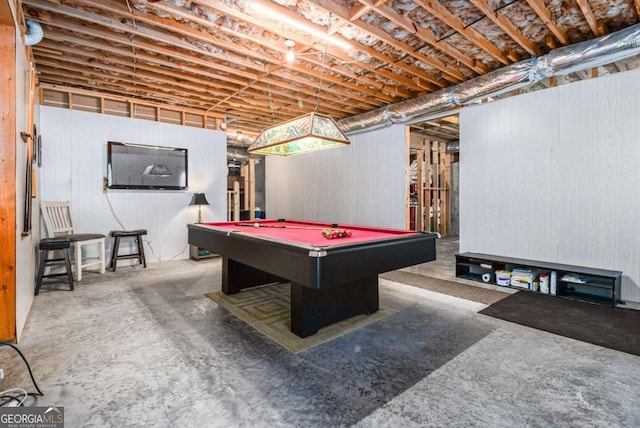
x=428, y=185
x=7, y=174
x=244, y=173
x=252, y=187
x=435, y=164
x=236, y=200
x=420, y=186
x=445, y=201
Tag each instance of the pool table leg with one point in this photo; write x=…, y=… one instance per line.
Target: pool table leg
x=237, y=276
x=314, y=308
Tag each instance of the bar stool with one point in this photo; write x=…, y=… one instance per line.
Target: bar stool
x=51, y=244
x=118, y=234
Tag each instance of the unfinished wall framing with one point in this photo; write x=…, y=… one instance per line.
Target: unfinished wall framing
x=95, y=102
x=431, y=194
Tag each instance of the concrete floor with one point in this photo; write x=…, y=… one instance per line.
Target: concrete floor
x=144, y=347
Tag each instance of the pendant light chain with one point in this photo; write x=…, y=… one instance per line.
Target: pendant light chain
x=324, y=58
x=273, y=113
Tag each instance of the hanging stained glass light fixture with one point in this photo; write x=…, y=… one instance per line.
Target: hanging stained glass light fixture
x=303, y=134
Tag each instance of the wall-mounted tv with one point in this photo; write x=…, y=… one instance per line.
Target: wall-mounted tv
x=136, y=166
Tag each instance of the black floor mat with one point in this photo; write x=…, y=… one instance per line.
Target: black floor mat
x=614, y=328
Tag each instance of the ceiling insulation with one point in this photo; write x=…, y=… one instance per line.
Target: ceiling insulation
x=225, y=57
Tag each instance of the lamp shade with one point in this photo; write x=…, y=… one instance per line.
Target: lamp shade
x=303, y=134
x=199, y=199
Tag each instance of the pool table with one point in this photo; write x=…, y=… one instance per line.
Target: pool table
x=331, y=279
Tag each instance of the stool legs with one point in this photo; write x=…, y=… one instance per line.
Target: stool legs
x=114, y=253
x=141, y=251
x=67, y=261
x=43, y=256
x=138, y=255
x=44, y=261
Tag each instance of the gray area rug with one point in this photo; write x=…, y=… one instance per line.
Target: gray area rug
x=463, y=291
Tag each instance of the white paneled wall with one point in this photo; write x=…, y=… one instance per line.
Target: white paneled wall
x=26, y=246
x=363, y=183
x=75, y=162
x=554, y=175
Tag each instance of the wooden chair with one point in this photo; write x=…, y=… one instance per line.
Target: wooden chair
x=59, y=222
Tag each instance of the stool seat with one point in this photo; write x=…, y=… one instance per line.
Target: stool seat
x=54, y=243
x=127, y=233
x=51, y=244
x=139, y=254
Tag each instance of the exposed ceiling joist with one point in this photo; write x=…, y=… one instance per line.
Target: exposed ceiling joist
x=223, y=57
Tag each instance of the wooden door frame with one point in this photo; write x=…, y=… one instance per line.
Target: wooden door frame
x=7, y=173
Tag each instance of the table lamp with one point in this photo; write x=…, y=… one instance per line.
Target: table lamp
x=199, y=199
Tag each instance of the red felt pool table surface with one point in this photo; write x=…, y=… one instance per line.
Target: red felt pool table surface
x=307, y=233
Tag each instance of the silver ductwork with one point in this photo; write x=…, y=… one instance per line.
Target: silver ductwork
x=239, y=140
x=237, y=147
x=35, y=33
x=452, y=147
x=568, y=59
x=237, y=154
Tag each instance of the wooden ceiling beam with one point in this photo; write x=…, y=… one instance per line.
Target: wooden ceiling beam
x=621, y=66
x=547, y=18
x=202, y=75
x=506, y=25
x=164, y=51
x=139, y=94
x=118, y=37
x=455, y=75
x=142, y=85
x=432, y=82
x=132, y=84
x=105, y=52
x=258, y=101
x=224, y=9
x=590, y=17
x=187, y=80
x=120, y=98
x=178, y=43
x=470, y=33
x=150, y=80
x=210, y=38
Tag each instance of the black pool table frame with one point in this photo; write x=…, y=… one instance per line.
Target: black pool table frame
x=328, y=284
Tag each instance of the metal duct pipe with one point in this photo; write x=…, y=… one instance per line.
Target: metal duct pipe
x=494, y=83
x=239, y=140
x=237, y=154
x=35, y=33
x=452, y=147
x=568, y=59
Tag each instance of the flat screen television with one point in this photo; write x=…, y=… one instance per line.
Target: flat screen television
x=136, y=166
